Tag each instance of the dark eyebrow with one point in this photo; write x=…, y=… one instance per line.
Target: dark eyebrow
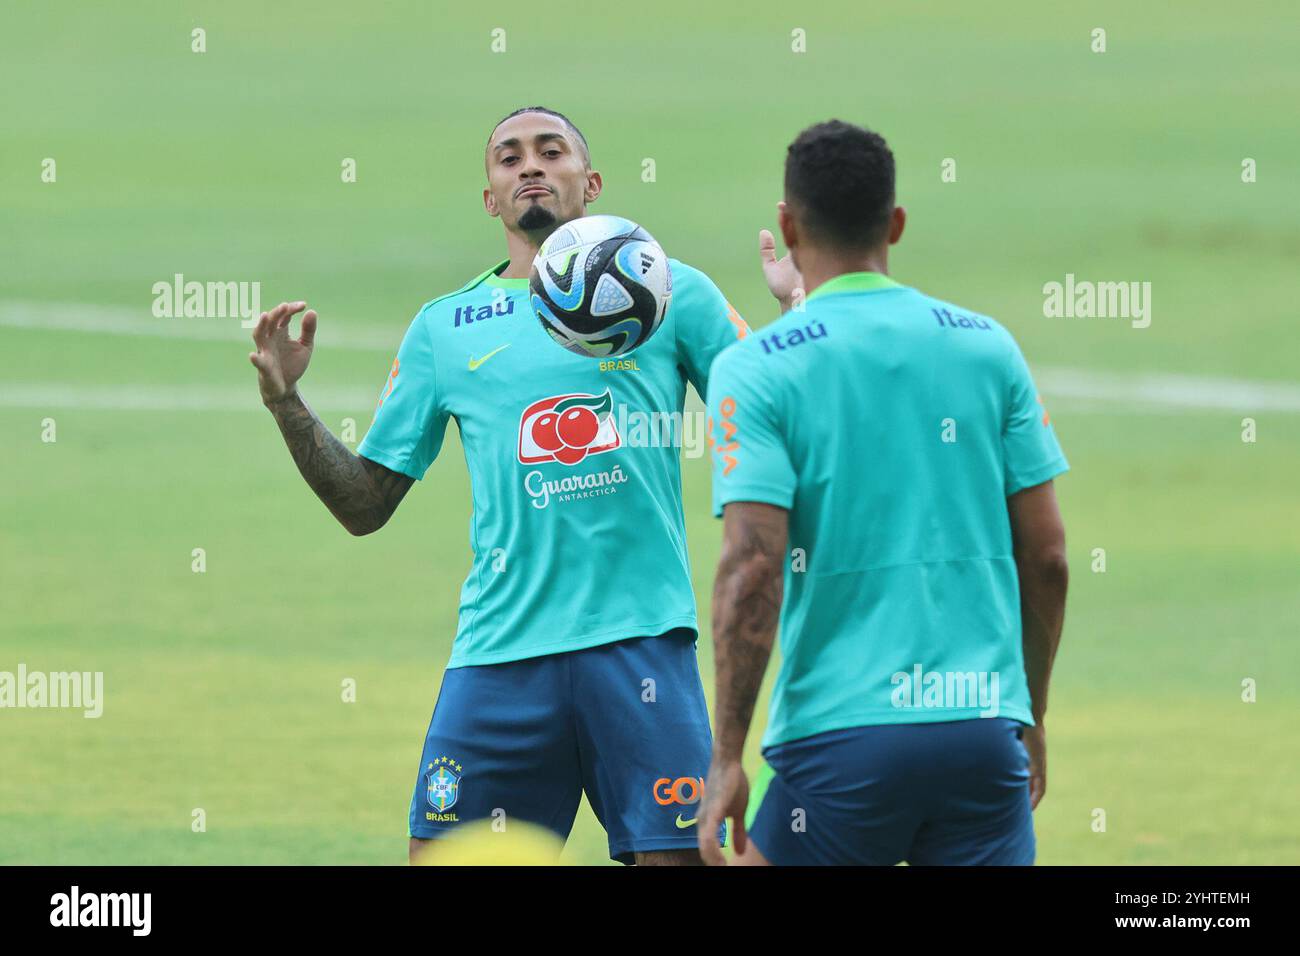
x=513, y=142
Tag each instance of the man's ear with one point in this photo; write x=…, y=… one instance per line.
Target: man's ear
x=896, y=223
x=785, y=222
x=490, y=204
x=594, y=185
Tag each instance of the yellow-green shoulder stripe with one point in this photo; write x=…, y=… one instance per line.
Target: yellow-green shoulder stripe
x=477, y=280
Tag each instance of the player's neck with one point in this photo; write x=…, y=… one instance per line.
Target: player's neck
x=522, y=247
x=818, y=267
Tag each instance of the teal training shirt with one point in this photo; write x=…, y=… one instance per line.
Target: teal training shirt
x=893, y=427
x=577, y=527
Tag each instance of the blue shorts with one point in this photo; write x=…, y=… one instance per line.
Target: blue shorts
x=624, y=722
x=954, y=793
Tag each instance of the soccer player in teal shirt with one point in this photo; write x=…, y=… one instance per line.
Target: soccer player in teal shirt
x=573, y=668
x=884, y=467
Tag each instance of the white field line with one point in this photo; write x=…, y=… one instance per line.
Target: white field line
x=118, y=320
x=1088, y=390
x=176, y=398
x=1080, y=390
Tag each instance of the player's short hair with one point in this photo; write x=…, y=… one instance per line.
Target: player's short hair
x=840, y=178
x=586, y=150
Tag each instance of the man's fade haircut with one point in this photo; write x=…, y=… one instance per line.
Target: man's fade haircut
x=840, y=178
x=586, y=150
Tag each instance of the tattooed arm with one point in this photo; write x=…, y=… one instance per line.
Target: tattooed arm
x=746, y=605
x=361, y=494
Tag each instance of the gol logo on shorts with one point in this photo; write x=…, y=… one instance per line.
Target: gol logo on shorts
x=683, y=790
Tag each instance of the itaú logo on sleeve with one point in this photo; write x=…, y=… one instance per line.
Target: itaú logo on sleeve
x=567, y=428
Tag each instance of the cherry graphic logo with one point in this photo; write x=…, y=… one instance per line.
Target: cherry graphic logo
x=567, y=428
x=578, y=426
x=546, y=433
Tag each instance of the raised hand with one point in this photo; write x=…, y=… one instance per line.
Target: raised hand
x=783, y=279
x=281, y=361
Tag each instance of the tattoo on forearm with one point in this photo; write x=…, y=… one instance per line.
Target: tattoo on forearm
x=359, y=493
x=746, y=606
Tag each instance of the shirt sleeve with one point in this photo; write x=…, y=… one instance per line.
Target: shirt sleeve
x=704, y=321
x=409, y=422
x=1031, y=454
x=751, y=459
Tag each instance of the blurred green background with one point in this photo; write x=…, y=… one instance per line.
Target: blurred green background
x=223, y=688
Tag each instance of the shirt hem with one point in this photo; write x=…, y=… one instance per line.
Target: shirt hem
x=1038, y=476
x=389, y=461
x=761, y=494
x=580, y=643
x=915, y=715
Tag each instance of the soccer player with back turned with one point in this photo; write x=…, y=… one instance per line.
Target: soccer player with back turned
x=884, y=467
x=573, y=668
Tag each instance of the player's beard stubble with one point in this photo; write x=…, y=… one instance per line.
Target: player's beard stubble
x=537, y=217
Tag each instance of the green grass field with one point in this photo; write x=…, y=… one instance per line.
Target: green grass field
x=223, y=688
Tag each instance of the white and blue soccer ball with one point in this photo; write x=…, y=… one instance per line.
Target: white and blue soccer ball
x=600, y=286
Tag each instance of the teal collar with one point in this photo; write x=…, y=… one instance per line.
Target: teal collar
x=494, y=279
x=854, y=282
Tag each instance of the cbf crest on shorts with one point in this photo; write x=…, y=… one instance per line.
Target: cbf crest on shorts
x=443, y=776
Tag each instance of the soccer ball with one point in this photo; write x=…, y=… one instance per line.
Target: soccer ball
x=481, y=844
x=600, y=286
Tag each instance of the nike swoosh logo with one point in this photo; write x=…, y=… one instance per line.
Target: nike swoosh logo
x=683, y=824
x=475, y=363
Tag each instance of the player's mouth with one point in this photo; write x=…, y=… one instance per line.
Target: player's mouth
x=528, y=191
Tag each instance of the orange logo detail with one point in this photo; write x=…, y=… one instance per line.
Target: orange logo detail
x=683, y=790
x=729, y=441
x=392, y=380
x=1046, y=417
x=742, y=329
